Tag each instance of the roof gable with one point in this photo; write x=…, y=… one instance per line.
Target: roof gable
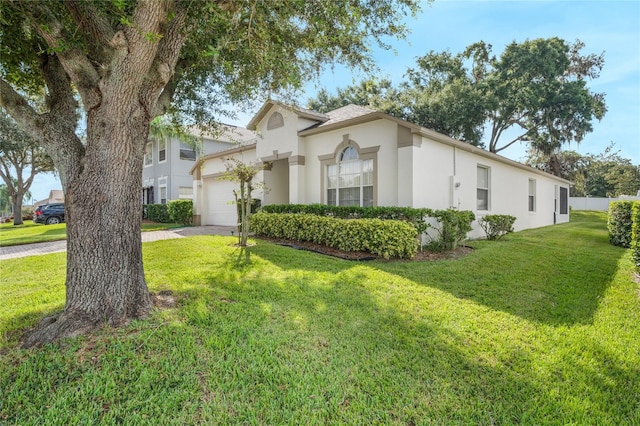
x=300, y=112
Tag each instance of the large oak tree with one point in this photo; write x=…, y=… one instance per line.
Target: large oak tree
x=127, y=61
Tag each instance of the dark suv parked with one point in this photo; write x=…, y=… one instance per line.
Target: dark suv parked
x=49, y=214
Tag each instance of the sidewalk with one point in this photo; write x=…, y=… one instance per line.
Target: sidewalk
x=36, y=249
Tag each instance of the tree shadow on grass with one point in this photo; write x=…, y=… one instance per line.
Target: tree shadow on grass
x=321, y=341
x=335, y=350
x=533, y=275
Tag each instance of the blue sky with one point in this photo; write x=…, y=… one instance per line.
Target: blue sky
x=612, y=27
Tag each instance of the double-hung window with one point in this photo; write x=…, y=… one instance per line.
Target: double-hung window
x=350, y=180
x=187, y=152
x=483, y=188
x=532, y=195
x=163, y=194
x=162, y=151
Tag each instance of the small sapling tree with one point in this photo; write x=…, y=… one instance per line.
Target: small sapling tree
x=243, y=174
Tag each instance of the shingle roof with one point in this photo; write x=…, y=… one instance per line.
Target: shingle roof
x=346, y=113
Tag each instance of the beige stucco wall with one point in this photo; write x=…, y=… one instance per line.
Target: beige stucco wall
x=450, y=177
x=427, y=173
x=213, y=196
x=281, y=140
x=380, y=133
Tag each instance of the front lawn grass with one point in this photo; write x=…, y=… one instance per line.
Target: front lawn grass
x=30, y=232
x=542, y=327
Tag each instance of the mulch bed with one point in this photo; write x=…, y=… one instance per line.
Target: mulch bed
x=364, y=256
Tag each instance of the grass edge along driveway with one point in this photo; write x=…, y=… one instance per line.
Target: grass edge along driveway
x=541, y=328
x=30, y=232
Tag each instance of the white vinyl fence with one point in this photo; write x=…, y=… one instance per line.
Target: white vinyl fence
x=596, y=203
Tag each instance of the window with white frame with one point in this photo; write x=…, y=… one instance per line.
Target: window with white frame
x=163, y=194
x=187, y=152
x=162, y=151
x=148, y=154
x=185, y=193
x=350, y=180
x=483, y=188
x=532, y=195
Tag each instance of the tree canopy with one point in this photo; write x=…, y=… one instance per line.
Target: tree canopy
x=606, y=174
x=21, y=159
x=535, y=92
x=127, y=61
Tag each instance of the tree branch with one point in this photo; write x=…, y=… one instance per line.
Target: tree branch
x=90, y=21
x=519, y=138
x=20, y=110
x=77, y=65
x=161, y=83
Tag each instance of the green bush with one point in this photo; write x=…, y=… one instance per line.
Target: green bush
x=157, y=213
x=496, y=226
x=181, y=211
x=635, y=234
x=454, y=225
x=386, y=238
x=406, y=214
x=619, y=223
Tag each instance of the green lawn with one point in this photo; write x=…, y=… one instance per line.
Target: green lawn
x=540, y=328
x=31, y=232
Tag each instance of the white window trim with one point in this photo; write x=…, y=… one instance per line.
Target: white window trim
x=181, y=196
x=160, y=194
x=534, y=195
x=160, y=142
x=368, y=153
x=488, y=188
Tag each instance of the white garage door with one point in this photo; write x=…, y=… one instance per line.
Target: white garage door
x=218, y=199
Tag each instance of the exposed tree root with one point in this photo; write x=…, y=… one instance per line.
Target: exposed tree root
x=58, y=326
x=72, y=323
x=163, y=299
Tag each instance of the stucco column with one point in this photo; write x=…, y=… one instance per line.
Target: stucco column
x=296, y=180
x=405, y=176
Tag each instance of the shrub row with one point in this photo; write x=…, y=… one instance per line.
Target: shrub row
x=407, y=214
x=619, y=223
x=156, y=213
x=635, y=234
x=178, y=211
x=497, y=226
x=386, y=238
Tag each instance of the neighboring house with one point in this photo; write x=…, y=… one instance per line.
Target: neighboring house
x=55, y=196
x=357, y=156
x=167, y=163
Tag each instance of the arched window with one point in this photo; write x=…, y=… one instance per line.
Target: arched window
x=276, y=120
x=350, y=180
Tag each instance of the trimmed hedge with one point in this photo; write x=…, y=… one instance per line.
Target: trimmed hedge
x=619, y=223
x=181, y=211
x=407, y=214
x=386, y=238
x=156, y=213
x=635, y=234
x=496, y=226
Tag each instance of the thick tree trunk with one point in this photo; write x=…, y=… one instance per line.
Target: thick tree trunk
x=17, y=209
x=105, y=277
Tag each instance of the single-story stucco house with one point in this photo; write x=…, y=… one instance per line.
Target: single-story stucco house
x=356, y=156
